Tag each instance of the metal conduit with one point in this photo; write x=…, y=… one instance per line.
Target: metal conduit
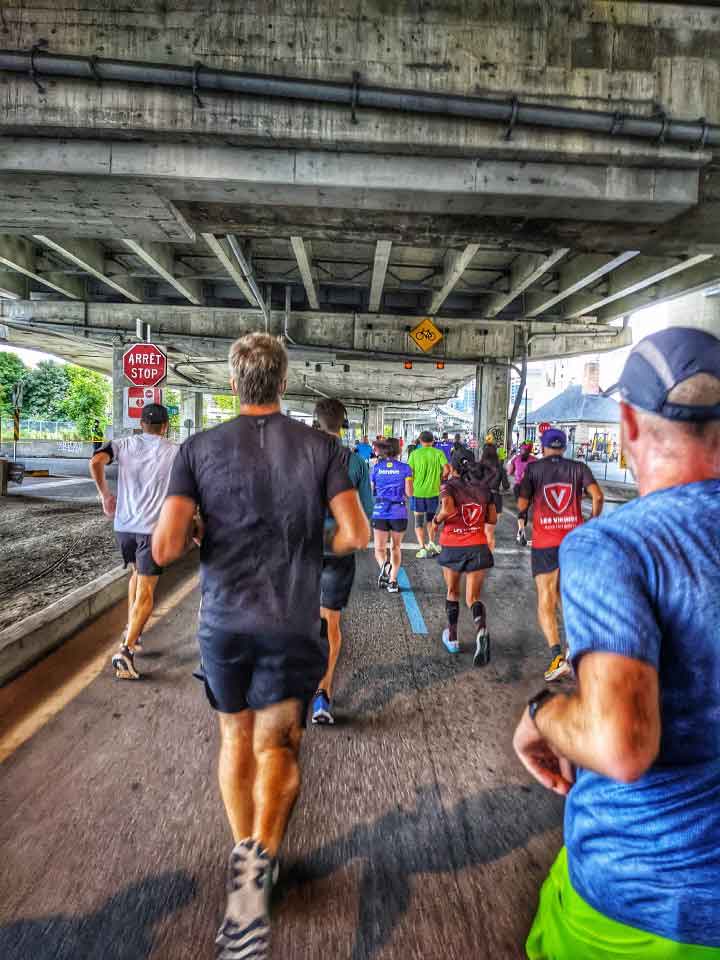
x=197, y=78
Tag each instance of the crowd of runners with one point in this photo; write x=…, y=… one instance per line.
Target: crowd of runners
x=270, y=623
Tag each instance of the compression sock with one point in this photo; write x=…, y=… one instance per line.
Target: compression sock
x=452, y=608
x=556, y=650
x=478, y=612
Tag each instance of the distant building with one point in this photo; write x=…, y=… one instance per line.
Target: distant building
x=582, y=412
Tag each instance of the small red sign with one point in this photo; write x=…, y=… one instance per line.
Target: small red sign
x=144, y=365
x=543, y=427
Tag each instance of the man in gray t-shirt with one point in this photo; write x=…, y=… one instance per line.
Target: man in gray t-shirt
x=144, y=463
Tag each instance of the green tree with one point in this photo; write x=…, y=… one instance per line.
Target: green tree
x=12, y=369
x=88, y=400
x=171, y=398
x=228, y=403
x=46, y=390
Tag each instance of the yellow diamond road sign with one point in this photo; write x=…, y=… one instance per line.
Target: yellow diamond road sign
x=426, y=335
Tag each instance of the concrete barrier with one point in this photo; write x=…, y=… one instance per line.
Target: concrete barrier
x=66, y=449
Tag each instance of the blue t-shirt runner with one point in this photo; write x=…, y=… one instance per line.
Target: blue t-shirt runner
x=644, y=582
x=388, y=482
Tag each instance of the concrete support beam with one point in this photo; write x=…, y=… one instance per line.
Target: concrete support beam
x=221, y=249
x=118, y=385
x=526, y=270
x=18, y=254
x=455, y=266
x=640, y=273
x=679, y=284
x=380, y=265
x=303, y=262
x=492, y=398
x=13, y=286
x=159, y=257
x=580, y=273
x=89, y=256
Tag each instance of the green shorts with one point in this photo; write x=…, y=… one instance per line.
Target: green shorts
x=567, y=928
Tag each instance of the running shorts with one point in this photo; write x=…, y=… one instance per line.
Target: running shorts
x=336, y=581
x=544, y=560
x=466, y=559
x=397, y=526
x=251, y=671
x=566, y=927
x=498, y=501
x=136, y=548
x=427, y=505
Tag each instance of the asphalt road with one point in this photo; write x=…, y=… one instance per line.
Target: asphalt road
x=417, y=835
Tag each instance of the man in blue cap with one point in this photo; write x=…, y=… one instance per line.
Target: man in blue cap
x=555, y=487
x=636, y=747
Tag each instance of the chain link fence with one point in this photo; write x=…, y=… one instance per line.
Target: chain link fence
x=34, y=429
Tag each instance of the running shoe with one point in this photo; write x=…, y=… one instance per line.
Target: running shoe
x=321, y=709
x=559, y=667
x=124, y=665
x=521, y=538
x=423, y=553
x=482, y=647
x=384, y=578
x=434, y=550
x=450, y=639
x=393, y=587
x=245, y=930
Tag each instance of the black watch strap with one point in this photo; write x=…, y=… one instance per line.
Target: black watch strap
x=534, y=703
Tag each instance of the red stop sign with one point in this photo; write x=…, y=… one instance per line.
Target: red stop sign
x=144, y=365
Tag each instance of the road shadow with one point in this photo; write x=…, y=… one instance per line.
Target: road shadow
x=404, y=844
x=122, y=929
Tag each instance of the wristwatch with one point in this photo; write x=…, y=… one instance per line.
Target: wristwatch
x=534, y=703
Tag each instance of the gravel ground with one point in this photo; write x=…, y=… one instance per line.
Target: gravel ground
x=36, y=534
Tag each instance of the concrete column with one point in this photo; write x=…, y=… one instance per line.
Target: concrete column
x=191, y=412
x=492, y=396
x=199, y=411
x=118, y=386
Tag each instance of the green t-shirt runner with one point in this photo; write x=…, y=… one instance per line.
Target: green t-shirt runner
x=427, y=465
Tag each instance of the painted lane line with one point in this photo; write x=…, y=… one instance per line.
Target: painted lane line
x=28, y=722
x=411, y=605
x=67, y=482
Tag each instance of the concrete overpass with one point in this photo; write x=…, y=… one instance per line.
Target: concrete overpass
x=527, y=175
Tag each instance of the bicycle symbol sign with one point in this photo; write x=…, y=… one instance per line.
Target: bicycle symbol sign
x=425, y=335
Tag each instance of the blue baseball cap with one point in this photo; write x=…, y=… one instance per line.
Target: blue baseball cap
x=553, y=439
x=663, y=361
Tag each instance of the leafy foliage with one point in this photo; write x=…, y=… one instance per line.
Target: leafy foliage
x=88, y=400
x=46, y=390
x=12, y=369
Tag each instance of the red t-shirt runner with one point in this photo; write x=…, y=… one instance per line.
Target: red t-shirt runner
x=466, y=527
x=555, y=487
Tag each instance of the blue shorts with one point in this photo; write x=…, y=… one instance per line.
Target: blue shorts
x=251, y=671
x=544, y=560
x=427, y=505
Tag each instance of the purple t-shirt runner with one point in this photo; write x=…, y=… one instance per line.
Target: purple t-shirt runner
x=388, y=483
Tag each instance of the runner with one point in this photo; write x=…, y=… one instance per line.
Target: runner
x=555, y=486
x=391, y=484
x=468, y=514
x=460, y=447
x=445, y=445
x=427, y=464
x=497, y=481
x=263, y=483
x=636, y=745
x=144, y=463
x=338, y=573
x=364, y=448
x=516, y=469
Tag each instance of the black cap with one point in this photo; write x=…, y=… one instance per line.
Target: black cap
x=154, y=413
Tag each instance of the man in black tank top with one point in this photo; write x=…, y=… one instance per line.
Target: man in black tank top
x=555, y=487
